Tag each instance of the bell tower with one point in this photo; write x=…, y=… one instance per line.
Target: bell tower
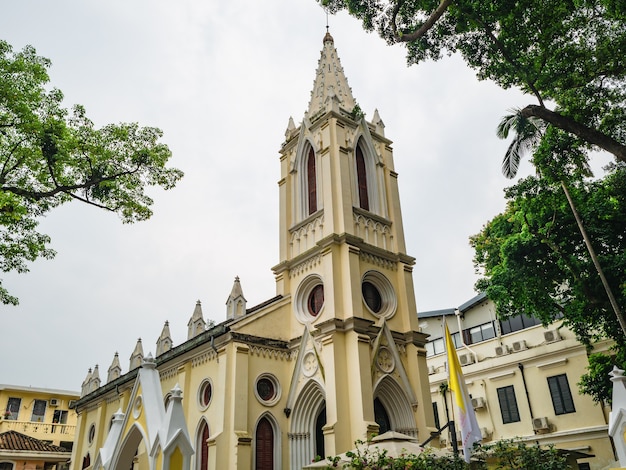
x=340, y=219
x=343, y=264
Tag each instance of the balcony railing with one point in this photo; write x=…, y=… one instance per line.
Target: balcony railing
x=31, y=428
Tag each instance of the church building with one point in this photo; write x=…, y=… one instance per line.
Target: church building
x=335, y=356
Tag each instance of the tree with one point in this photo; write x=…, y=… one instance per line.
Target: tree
x=535, y=261
x=50, y=155
x=568, y=55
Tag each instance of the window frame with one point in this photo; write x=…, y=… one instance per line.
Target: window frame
x=510, y=411
x=39, y=418
x=13, y=415
x=361, y=175
x=561, y=394
x=311, y=180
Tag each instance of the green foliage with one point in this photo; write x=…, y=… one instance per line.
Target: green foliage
x=568, y=53
x=50, y=155
x=357, y=113
x=535, y=262
x=505, y=455
x=596, y=381
x=516, y=455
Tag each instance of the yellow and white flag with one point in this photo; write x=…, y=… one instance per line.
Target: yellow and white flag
x=465, y=415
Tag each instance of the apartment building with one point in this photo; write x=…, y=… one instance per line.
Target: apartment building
x=522, y=378
x=40, y=413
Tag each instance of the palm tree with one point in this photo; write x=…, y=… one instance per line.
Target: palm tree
x=528, y=132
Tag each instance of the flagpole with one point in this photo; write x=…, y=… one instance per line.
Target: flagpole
x=470, y=432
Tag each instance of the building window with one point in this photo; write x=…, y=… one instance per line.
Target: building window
x=456, y=339
x=311, y=179
x=267, y=389
x=203, y=445
x=13, y=408
x=508, y=404
x=434, y=347
x=264, y=445
x=372, y=297
x=561, y=395
x=205, y=393
x=517, y=323
x=479, y=333
x=91, y=434
x=39, y=411
x=60, y=416
x=378, y=294
x=362, y=179
x=6, y=466
x=316, y=300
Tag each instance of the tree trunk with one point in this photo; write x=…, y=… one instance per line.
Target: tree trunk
x=587, y=134
x=596, y=263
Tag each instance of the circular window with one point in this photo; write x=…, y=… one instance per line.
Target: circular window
x=316, y=300
x=378, y=294
x=309, y=299
x=205, y=393
x=372, y=296
x=266, y=389
x=92, y=433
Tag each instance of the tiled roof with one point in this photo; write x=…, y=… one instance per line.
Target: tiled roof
x=12, y=440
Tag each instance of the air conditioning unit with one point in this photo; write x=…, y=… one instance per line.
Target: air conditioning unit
x=551, y=336
x=478, y=402
x=54, y=402
x=466, y=359
x=519, y=346
x=502, y=350
x=541, y=424
x=431, y=370
x=71, y=404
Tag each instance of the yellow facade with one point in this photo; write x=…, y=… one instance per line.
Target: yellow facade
x=521, y=377
x=333, y=357
x=41, y=413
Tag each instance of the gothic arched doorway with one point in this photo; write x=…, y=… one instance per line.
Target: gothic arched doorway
x=381, y=417
x=306, y=438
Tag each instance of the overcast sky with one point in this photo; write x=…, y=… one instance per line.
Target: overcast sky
x=222, y=78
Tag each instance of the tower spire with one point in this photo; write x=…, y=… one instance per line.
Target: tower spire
x=236, y=302
x=330, y=82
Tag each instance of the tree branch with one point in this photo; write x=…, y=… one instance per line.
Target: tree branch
x=568, y=124
x=36, y=195
x=429, y=23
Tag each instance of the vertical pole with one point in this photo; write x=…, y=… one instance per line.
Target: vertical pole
x=596, y=263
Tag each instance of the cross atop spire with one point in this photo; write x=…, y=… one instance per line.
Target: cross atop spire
x=330, y=82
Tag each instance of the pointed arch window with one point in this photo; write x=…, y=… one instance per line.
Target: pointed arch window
x=264, y=445
x=311, y=182
x=203, y=454
x=361, y=174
